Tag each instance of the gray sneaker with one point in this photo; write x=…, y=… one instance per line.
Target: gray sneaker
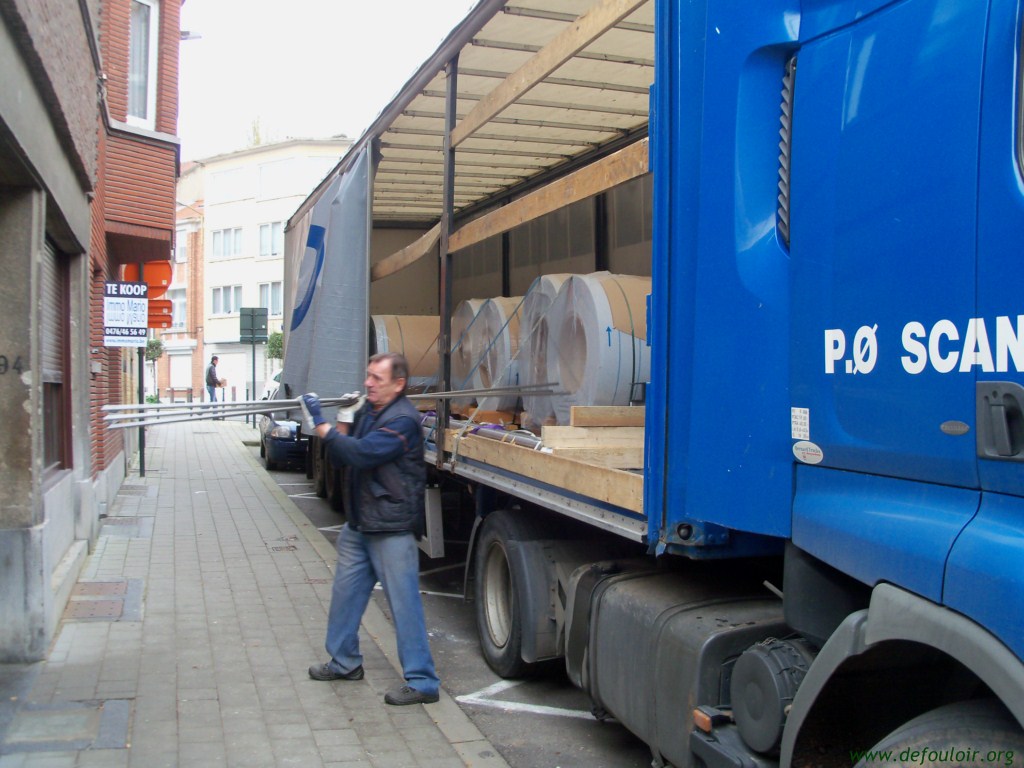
x=325, y=673
x=408, y=695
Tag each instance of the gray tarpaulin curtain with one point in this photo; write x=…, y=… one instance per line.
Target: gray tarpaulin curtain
x=327, y=280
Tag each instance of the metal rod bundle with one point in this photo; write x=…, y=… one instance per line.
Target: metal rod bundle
x=152, y=414
x=144, y=415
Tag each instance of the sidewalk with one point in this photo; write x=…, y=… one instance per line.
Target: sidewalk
x=188, y=635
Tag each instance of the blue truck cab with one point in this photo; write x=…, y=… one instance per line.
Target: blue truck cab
x=838, y=355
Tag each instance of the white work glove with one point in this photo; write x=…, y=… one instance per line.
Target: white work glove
x=350, y=404
x=310, y=405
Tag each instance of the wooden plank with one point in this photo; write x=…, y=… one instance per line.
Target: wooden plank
x=617, y=168
x=563, y=47
x=612, y=486
x=615, y=456
x=410, y=254
x=594, y=437
x=606, y=416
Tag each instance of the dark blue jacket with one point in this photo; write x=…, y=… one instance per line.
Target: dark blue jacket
x=386, y=478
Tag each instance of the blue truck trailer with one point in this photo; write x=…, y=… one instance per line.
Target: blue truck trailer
x=820, y=560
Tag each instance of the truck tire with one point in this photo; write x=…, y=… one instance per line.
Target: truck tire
x=332, y=486
x=270, y=463
x=319, y=461
x=498, y=605
x=265, y=455
x=966, y=733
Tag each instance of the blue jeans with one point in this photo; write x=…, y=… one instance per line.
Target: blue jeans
x=212, y=392
x=392, y=559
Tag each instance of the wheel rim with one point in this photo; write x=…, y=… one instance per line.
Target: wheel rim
x=498, y=595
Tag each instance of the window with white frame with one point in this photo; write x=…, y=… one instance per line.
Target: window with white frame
x=271, y=297
x=272, y=239
x=143, y=35
x=181, y=246
x=177, y=299
x=227, y=300
x=231, y=185
x=227, y=243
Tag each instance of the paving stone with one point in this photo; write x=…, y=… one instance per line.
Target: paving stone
x=189, y=734
x=336, y=738
x=103, y=758
x=188, y=635
x=202, y=753
x=345, y=753
x=287, y=731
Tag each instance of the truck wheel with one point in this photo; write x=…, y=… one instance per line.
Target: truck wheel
x=319, y=462
x=967, y=733
x=332, y=486
x=498, y=611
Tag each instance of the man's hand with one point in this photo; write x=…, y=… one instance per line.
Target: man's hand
x=351, y=403
x=311, y=411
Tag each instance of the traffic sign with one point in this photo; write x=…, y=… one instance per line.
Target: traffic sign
x=156, y=274
x=160, y=313
x=252, y=324
x=161, y=307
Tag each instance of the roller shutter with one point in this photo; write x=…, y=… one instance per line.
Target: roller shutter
x=53, y=308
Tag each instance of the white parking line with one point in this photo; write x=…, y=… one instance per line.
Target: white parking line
x=307, y=495
x=378, y=588
x=483, y=698
x=443, y=568
x=455, y=595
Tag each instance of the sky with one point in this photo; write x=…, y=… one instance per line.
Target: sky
x=298, y=68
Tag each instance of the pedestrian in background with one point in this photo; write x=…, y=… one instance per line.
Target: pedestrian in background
x=380, y=443
x=212, y=382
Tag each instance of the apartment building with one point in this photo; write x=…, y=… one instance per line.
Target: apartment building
x=232, y=211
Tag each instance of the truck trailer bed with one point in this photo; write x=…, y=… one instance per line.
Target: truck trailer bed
x=579, y=484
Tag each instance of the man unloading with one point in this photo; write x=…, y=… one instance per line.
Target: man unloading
x=380, y=444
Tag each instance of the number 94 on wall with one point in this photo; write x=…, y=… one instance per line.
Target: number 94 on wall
x=7, y=365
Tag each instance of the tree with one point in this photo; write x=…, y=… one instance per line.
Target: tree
x=275, y=346
x=154, y=350
x=259, y=135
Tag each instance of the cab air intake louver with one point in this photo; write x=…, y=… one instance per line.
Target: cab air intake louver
x=785, y=147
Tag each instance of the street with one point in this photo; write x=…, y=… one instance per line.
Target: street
x=543, y=721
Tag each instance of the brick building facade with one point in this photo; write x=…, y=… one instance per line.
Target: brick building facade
x=88, y=162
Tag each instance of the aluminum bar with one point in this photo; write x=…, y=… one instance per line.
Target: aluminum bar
x=247, y=408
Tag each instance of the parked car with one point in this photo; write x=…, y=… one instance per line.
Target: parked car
x=270, y=388
x=281, y=441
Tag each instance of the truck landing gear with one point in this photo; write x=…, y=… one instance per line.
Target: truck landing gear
x=332, y=486
x=317, y=467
